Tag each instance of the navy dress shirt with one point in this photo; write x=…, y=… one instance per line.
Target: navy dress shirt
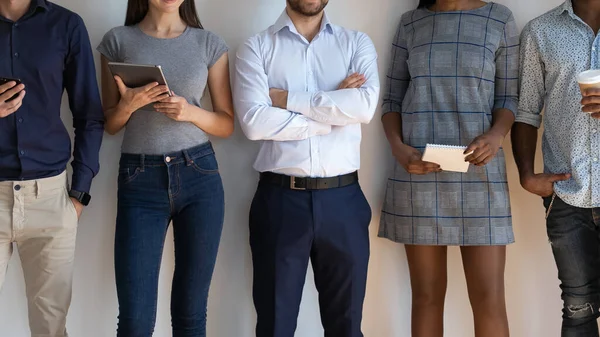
x=49, y=50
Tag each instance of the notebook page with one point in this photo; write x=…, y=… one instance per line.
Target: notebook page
x=449, y=157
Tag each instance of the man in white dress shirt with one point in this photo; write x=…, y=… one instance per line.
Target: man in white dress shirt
x=303, y=87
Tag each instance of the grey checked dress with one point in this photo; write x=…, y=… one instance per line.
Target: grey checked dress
x=449, y=71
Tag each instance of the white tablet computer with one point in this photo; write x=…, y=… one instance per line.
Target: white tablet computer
x=138, y=75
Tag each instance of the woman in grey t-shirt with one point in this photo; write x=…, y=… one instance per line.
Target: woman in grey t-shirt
x=168, y=171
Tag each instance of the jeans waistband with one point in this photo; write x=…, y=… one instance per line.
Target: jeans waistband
x=186, y=156
x=35, y=186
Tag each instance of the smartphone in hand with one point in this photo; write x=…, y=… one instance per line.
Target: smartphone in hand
x=4, y=80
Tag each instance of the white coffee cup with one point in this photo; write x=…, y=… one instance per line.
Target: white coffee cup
x=589, y=79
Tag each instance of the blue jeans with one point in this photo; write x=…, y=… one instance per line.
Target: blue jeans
x=184, y=187
x=328, y=227
x=575, y=238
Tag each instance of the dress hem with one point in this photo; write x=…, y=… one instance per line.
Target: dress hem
x=444, y=244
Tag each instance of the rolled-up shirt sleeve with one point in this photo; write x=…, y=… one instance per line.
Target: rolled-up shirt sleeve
x=345, y=106
x=258, y=118
x=532, y=79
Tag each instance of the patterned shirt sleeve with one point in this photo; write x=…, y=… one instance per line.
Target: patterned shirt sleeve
x=532, y=80
x=507, y=69
x=398, y=77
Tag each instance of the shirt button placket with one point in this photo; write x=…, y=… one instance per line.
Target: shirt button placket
x=312, y=141
x=595, y=147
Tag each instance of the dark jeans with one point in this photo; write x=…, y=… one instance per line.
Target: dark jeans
x=575, y=238
x=184, y=187
x=329, y=227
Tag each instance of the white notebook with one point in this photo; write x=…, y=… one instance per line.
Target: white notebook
x=450, y=158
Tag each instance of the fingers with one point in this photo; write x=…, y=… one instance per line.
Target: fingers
x=18, y=100
x=591, y=92
x=479, y=154
x=352, y=81
x=150, y=86
x=159, y=97
x=170, y=99
x=166, y=106
x=423, y=167
x=591, y=104
x=157, y=91
x=8, y=108
x=168, y=111
x=120, y=85
x=356, y=82
x=471, y=148
x=7, y=86
x=591, y=108
x=15, y=107
x=559, y=177
x=8, y=94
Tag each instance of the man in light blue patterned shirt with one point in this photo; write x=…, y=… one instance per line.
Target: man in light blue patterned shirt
x=555, y=48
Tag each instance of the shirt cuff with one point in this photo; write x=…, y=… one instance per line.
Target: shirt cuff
x=299, y=102
x=82, y=179
x=529, y=118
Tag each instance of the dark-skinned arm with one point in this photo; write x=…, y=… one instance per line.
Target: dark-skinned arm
x=529, y=119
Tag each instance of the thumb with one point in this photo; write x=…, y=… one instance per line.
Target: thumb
x=120, y=84
x=560, y=177
x=470, y=149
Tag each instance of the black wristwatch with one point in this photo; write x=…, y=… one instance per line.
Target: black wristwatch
x=82, y=197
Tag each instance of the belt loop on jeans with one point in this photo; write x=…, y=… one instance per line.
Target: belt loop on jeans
x=142, y=164
x=188, y=159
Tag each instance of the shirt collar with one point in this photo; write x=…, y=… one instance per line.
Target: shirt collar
x=567, y=6
x=285, y=21
x=39, y=4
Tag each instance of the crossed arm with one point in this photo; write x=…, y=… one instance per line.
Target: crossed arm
x=275, y=114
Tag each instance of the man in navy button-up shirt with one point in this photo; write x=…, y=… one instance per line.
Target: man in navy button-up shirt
x=47, y=48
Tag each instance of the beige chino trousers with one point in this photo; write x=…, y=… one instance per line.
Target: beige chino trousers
x=40, y=219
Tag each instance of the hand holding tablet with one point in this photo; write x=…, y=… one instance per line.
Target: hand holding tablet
x=140, y=85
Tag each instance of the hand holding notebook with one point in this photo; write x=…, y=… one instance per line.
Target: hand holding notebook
x=450, y=158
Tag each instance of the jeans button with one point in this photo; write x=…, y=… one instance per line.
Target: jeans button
x=17, y=187
x=168, y=159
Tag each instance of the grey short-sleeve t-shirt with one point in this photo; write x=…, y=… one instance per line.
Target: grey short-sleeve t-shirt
x=185, y=60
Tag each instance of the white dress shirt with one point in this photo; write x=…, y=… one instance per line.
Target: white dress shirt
x=320, y=133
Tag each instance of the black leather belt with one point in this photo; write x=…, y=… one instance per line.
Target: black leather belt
x=301, y=184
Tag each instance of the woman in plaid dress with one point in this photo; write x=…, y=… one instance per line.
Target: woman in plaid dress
x=452, y=81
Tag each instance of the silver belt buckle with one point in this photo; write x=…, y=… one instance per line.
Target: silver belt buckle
x=293, y=185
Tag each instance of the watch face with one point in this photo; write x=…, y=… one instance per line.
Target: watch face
x=85, y=199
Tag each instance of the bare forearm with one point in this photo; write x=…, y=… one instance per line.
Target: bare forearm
x=116, y=118
x=524, y=143
x=502, y=121
x=392, y=125
x=216, y=123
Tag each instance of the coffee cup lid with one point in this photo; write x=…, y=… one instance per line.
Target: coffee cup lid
x=589, y=77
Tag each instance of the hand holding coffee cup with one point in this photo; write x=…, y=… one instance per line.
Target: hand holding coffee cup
x=589, y=84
